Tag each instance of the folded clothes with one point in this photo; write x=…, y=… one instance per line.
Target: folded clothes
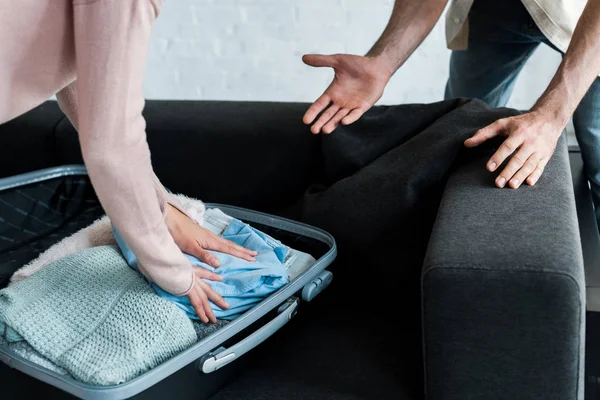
x=295, y=262
x=99, y=233
x=244, y=283
x=203, y=330
x=26, y=351
x=95, y=317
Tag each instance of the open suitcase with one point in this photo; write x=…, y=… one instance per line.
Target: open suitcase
x=40, y=208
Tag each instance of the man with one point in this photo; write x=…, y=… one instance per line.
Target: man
x=491, y=41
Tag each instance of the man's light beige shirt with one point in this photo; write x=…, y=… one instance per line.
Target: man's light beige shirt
x=556, y=19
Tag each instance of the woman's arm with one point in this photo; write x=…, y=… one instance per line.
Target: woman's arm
x=67, y=100
x=111, y=44
x=111, y=41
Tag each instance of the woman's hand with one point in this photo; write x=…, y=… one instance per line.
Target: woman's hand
x=202, y=292
x=196, y=240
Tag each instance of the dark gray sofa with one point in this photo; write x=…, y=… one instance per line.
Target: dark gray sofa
x=502, y=311
x=504, y=290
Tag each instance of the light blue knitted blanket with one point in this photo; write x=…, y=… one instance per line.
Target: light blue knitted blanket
x=94, y=316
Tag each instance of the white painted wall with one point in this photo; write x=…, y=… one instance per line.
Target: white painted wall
x=251, y=49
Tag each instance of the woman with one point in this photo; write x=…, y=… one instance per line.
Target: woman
x=91, y=54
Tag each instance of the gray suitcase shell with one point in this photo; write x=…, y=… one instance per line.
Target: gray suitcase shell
x=61, y=189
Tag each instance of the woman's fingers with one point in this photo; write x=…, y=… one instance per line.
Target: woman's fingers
x=228, y=247
x=202, y=273
x=205, y=256
x=324, y=118
x=223, y=246
x=335, y=121
x=196, y=301
x=199, y=298
x=213, y=239
x=205, y=304
x=206, y=240
x=209, y=312
x=236, y=246
x=213, y=296
x=202, y=306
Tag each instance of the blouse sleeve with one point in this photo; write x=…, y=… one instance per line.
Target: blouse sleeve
x=105, y=104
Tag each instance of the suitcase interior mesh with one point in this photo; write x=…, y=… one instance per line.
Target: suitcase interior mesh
x=33, y=217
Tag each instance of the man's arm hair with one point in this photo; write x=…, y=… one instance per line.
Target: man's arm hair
x=409, y=25
x=578, y=69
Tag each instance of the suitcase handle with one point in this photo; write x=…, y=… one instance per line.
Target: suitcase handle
x=223, y=356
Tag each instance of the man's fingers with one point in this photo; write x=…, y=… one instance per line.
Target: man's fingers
x=324, y=118
x=214, y=296
x=335, y=121
x=526, y=170
x=202, y=273
x=508, y=147
x=316, y=108
x=484, y=134
x=515, y=163
x=319, y=60
x=537, y=172
x=353, y=116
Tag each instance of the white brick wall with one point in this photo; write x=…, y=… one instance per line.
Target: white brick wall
x=251, y=49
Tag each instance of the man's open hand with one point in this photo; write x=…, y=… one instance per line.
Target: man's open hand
x=357, y=85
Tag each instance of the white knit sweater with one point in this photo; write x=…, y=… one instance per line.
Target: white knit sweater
x=94, y=316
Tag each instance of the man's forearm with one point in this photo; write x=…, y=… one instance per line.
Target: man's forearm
x=409, y=25
x=577, y=71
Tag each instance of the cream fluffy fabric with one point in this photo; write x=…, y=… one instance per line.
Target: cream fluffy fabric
x=97, y=234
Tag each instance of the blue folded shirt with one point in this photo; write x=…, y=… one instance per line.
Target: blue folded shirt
x=244, y=283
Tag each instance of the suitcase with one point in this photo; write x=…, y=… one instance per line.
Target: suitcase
x=38, y=209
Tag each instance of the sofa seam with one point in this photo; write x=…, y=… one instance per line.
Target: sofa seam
x=478, y=267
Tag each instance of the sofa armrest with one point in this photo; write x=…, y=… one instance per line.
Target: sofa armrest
x=503, y=288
